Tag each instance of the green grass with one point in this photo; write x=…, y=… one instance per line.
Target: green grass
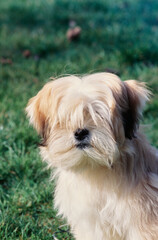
x=118, y=35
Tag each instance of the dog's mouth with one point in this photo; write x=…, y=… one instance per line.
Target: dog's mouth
x=83, y=145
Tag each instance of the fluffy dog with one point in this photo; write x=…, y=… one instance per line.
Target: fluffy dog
x=106, y=171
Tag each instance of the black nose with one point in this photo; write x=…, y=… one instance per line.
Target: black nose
x=81, y=134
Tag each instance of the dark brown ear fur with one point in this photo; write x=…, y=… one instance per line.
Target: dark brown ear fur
x=136, y=96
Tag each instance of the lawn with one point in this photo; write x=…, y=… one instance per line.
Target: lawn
x=118, y=35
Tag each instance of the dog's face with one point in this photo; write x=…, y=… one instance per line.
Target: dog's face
x=86, y=120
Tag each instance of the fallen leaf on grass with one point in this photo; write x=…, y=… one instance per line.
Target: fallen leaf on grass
x=6, y=61
x=26, y=53
x=73, y=33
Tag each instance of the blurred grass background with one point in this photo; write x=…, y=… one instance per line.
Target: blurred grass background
x=121, y=36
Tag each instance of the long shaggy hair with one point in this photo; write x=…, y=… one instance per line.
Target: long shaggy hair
x=106, y=171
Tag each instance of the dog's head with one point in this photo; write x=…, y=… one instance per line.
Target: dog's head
x=86, y=120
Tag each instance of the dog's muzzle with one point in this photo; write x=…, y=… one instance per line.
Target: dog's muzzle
x=82, y=137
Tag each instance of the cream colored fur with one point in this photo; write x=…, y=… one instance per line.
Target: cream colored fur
x=109, y=190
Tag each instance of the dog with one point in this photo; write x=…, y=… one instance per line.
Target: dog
x=105, y=170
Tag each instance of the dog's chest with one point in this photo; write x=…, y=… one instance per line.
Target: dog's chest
x=91, y=200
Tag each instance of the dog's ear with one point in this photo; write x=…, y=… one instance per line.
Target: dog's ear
x=38, y=109
x=136, y=95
